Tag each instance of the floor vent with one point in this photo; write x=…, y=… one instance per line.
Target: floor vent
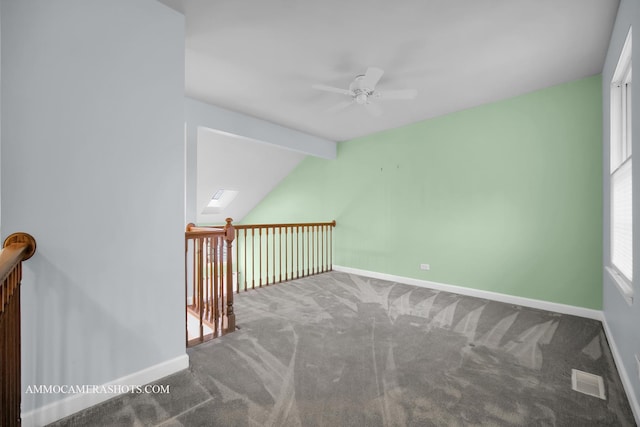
x=587, y=383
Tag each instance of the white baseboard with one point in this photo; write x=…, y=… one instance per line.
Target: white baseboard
x=624, y=375
x=494, y=296
x=77, y=402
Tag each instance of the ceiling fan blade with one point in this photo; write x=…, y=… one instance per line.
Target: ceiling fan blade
x=340, y=106
x=397, y=94
x=373, y=109
x=332, y=89
x=371, y=77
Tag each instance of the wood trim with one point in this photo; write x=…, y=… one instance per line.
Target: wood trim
x=293, y=224
x=17, y=248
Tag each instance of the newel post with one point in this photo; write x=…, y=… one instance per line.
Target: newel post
x=229, y=236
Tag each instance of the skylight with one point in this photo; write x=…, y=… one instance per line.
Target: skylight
x=220, y=200
x=218, y=194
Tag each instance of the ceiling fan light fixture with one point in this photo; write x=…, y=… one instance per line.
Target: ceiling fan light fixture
x=362, y=91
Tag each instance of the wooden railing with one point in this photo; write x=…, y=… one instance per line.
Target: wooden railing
x=17, y=247
x=264, y=254
x=209, y=281
x=274, y=253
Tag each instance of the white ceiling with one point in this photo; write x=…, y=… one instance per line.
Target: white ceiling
x=261, y=57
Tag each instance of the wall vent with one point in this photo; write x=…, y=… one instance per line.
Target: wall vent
x=587, y=383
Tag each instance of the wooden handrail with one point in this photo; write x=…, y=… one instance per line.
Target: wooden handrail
x=17, y=247
x=193, y=231
x=292, y=224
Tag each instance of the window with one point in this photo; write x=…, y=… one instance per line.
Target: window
x=621, y=268
x=219, y=201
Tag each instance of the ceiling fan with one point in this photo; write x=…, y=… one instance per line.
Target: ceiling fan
x=362, y=91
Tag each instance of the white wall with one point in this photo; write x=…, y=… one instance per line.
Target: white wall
x=93, y=167
x=622, y=320
x=0, y=121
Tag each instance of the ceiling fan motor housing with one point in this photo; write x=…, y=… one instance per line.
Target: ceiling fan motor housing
x=361, y=94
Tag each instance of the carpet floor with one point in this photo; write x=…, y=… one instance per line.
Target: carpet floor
x=343, y=350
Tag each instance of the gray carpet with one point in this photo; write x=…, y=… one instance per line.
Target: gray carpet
x=343, y=350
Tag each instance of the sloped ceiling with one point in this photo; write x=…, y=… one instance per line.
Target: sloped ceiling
x=255, y=170
x=261, y=57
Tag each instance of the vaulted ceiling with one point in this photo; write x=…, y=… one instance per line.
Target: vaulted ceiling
x=261, y=58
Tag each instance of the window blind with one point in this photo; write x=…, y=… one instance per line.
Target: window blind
x=622, y=220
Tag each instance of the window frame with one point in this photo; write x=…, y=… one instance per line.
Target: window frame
x=621, y=155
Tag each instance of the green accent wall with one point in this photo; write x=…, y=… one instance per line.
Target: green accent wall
x=505, y=197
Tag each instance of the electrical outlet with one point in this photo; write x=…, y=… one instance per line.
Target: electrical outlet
x=425, y=267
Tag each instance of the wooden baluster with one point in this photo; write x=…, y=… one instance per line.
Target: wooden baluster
x=215, y=282
x=194, y=282
x=286, y=266
x=326, y=237
x=318, y=251
x=200, y=289
x=218, y=294
x=212, y=270
x=220, y=282
x=322, y=243
x=331, y=245
x=222, y=297
x=292, y=253
x=244, y=267
x=328, y=248
x=238, y=265
x=321, y=246
x=298, y=251
x=309, y=250
x=203, y=267
x=194, y=299
x=10, y=348
x=260, y=254
x=308, y=256
x=186, y=290
x=203, y=276
x=266, y=261
x=229, y=237
x=319, y=242
x=274, y=255
x=280, y=253
x=252, y=259
x=217, y=276
x=209, y=280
